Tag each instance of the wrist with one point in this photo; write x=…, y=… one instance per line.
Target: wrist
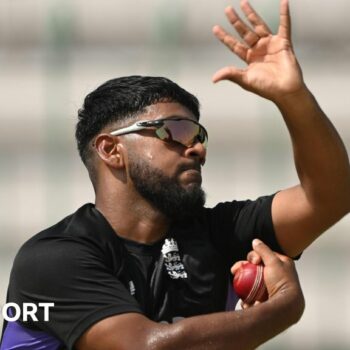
x=292, y=301
x=300, y=97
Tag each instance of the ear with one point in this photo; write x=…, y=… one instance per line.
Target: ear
x=110, y=150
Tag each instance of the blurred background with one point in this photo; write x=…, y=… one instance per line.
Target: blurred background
x=53, y=52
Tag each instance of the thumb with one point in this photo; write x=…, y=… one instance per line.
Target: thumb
x=229, y=73
x=267, y=255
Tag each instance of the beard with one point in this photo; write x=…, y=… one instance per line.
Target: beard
x=165, y=193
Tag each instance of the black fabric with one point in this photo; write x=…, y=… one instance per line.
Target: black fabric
x=90, y=273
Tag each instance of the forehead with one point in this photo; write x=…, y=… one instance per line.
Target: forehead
x=166, y=110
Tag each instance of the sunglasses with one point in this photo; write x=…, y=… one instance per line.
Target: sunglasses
x=181, y=130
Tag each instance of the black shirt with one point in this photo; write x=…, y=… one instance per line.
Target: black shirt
x=90, y=273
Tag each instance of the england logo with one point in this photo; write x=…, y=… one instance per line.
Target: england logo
x=172, y=260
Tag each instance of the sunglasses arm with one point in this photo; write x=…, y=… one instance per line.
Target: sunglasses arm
x=128, y=129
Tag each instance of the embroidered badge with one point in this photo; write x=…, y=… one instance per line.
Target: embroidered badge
x=172, y=260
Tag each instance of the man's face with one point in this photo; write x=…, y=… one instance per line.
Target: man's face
x=167, y=173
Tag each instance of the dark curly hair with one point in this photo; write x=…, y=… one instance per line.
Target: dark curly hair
x=123, y=98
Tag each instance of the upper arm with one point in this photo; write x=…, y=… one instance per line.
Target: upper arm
x=235, y=224
x=298, y=221
x=76, y=279
x=129, y=331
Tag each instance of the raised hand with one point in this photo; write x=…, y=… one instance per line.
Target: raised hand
x=272, y=69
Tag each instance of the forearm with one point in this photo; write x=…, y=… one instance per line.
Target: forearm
x=240, y=330
x=234, y=330
x=320, y=156
x=245, y=329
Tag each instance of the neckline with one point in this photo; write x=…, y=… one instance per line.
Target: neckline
x=142, y=248
x=131, y=245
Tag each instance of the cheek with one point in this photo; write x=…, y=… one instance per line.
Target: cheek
x=149, y=156
x=160, y=155
x=168, y=165
x=157, y=160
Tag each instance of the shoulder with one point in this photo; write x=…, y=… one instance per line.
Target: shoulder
x=75, y=265
x=78, y=239
x=84, y=227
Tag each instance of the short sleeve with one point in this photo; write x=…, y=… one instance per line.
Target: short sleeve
x=74, y=276
x=233, y=226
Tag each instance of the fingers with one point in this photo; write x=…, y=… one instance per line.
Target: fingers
x=284, y=29
x=245, y=32
x=247, y=306
x=236, y=266
x=251, y=37
x=260, y=27
x=254, y=257
x=267, y=255
x=232, y=43
x=261, y=254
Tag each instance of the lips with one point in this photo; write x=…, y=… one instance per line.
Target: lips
x=187, y=167
x=192, y=176
x=193, y=172
x=190, y=173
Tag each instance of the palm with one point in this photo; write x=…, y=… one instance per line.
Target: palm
x=272, y=69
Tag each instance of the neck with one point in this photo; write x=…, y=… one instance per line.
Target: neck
x=132, y=217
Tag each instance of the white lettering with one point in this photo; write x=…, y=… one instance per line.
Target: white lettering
x=11, y=312
x=29, y=309
x=14, y=317
x=46, y=307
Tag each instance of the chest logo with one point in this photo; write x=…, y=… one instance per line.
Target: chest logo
x=172, y=260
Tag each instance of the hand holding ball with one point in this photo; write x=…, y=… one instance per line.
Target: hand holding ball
x=248, y=283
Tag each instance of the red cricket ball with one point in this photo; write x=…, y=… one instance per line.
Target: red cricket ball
x=248, y=283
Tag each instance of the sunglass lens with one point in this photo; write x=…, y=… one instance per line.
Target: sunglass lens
x=184, y=131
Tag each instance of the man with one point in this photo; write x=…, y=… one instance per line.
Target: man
x=147, y=254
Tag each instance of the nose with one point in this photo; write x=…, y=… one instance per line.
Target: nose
x=197, y=150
